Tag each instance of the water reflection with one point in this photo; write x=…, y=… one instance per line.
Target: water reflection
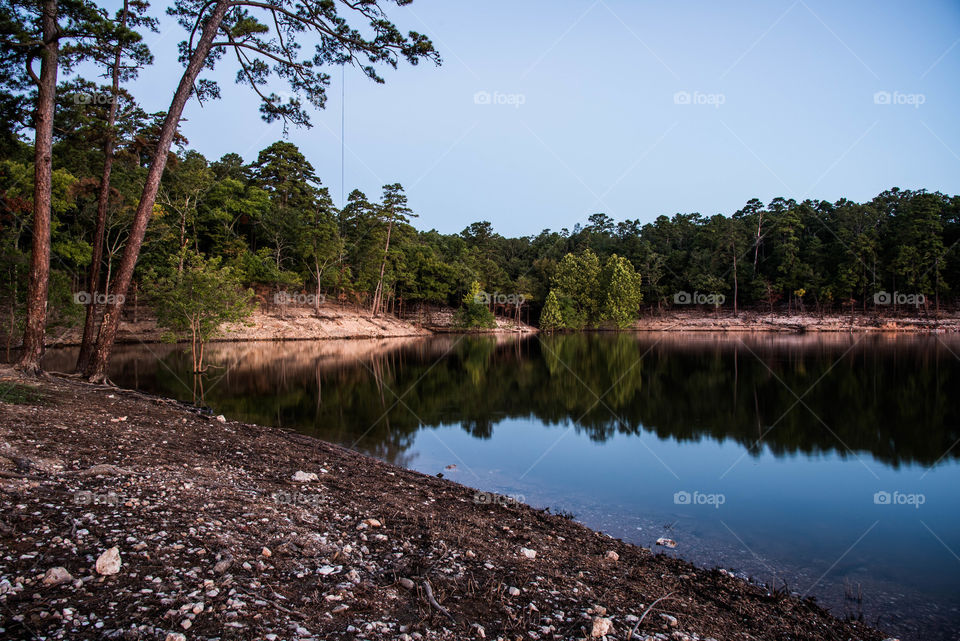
x=892, y=397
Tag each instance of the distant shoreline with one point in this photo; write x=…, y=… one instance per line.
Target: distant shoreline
x=345, y=323
x=753, y=321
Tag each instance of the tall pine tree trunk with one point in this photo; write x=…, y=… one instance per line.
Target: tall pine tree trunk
x=378, y=294
x=103, y=202
x=34, y=332
x=96, y=370
x=735, y=283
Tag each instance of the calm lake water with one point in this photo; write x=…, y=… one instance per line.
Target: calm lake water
x=827, y=464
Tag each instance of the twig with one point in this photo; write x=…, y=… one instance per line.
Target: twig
x=644, y=615
x=429, y=592
x=270, y=601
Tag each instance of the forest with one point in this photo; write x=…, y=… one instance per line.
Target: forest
x=276, y=225
x=110, y=206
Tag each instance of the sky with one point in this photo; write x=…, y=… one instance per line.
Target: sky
x=544, y=112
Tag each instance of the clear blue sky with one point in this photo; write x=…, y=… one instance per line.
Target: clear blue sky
x=786, y=93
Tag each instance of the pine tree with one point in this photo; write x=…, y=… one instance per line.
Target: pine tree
x=551, y=318
x=623, y=294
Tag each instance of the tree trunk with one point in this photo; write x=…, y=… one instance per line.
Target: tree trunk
x=103, y=202
x=33, y=333
x=316, y=299
x=734, y=281
x=378, y=294
x=756, y=247
x=96, y=370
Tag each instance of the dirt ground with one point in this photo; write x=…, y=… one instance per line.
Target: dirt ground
x=217, y=540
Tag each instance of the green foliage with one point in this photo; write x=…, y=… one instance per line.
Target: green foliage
x=195, y=300
x=576, y=284
x=474, y=314
x=19, y=394
x=622, y=293
x=584, y=295
x=551, y=318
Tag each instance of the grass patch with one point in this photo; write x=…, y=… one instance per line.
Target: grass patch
x=19, y=394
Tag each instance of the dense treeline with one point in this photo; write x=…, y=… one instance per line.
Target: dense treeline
x=274, y=223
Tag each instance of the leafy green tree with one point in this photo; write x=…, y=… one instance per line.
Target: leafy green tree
x=474, y=313
x=551, y=318
x=194, y=297
x=621, y=292
x=576, y=285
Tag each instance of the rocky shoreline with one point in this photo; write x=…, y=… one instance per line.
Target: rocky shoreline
x=297, y=324
x=126, y=516
x=754, y=321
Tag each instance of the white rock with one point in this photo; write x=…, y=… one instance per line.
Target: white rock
x=405, y=583
x=612, y=556
x=372, y=523
x=175, y=636
x=527, y=552
x=222, y=418
x=601, y=627
x=512, y=591
x=186, y=623
x=669, y=620
x=56, y=576
x=304, y=477
x=266, y=552
x=109, y=562
x=665, y=542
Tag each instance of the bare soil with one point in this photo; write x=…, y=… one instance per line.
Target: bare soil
x=217, y=541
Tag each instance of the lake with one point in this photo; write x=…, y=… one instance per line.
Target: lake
x=826, y=465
